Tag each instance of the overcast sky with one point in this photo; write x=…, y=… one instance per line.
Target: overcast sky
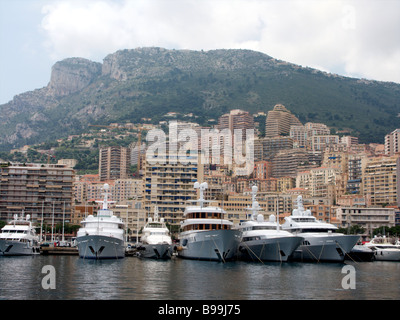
x=357, y=38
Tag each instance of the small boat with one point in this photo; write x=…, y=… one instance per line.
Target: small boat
x=265, y=240
x=18, y=237
x=361, y=253
x=102, y=237
x=156, y=242
x=383, y=249
x=206, y=234
x=321, y=242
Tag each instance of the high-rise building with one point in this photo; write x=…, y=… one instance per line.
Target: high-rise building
x=279, y=120
x=379, y=180
x=271, y=146
x=114, y=163
x=168, y=184
x=236, y=120
x=287, y=163
x=392, y=142
x=40, y=190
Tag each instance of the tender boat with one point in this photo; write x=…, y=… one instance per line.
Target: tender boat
x=383, y=249
x=265, y=240
x=156, y=242
x=361, y=253
x=19, y=238
x=206, y=234
x=102, y=237
x=320, y=243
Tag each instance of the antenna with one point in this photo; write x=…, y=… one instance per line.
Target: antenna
x=105, y=202
x=201, y=186
x=254, y=203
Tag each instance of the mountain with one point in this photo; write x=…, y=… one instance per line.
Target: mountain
x=150, y=82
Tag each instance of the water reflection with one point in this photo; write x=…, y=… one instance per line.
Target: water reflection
x=142, y=279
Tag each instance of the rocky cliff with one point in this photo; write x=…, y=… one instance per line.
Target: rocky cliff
x=72, y=75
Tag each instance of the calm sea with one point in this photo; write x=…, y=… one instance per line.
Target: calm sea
x=132, y=278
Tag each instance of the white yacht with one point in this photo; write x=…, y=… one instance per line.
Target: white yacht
x=102, y=237
x=384, y=250
x=156, y=241
x=19, y=237
x=265, y=240
x=320, y=243
x=206, y=234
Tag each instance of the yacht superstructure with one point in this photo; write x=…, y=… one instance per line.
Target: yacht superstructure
x=206, y=234
x=320, y=243
x=102, y=237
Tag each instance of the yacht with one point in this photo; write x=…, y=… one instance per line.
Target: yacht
x=102, y=237
x=265, y=240
x=206, y=234
x=384, y=250
x=156, y=241
x=19, y=237
x=320, y=243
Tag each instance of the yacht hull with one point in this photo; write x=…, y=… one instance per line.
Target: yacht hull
x=100, y=247
x=273, y=249
x=324, y=248
x=156, y=251
x=387, y=255
x=17, y=248
x=215, y=245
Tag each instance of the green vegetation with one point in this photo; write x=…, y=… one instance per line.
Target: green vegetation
x=208, y=84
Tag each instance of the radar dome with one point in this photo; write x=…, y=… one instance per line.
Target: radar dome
x=272, y=218
x=254, y=188
x=260, y=217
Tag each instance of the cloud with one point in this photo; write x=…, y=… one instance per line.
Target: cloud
x=358, y=38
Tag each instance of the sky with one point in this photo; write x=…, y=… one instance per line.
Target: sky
x=355, y=38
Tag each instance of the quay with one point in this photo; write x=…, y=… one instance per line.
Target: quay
x=59, y=250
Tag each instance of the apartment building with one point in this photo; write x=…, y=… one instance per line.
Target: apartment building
x=120, y=189
x=354, y=170
x=269, y=147
x=319, y=143
x=392, y=143
x=379, y=180
x=40, y=190
x=303, y=134
x=262, y=170
x=169, y=185
x=279, y=120
x=287, y=163
x=316, y=129
x=298, y=134
x=321, y=181
x=368, y=218
x=236, y=120
x=114, y=163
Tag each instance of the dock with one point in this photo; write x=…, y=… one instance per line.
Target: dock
x=59, y=250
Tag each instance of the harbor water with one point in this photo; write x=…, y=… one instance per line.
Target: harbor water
x=132, y=278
